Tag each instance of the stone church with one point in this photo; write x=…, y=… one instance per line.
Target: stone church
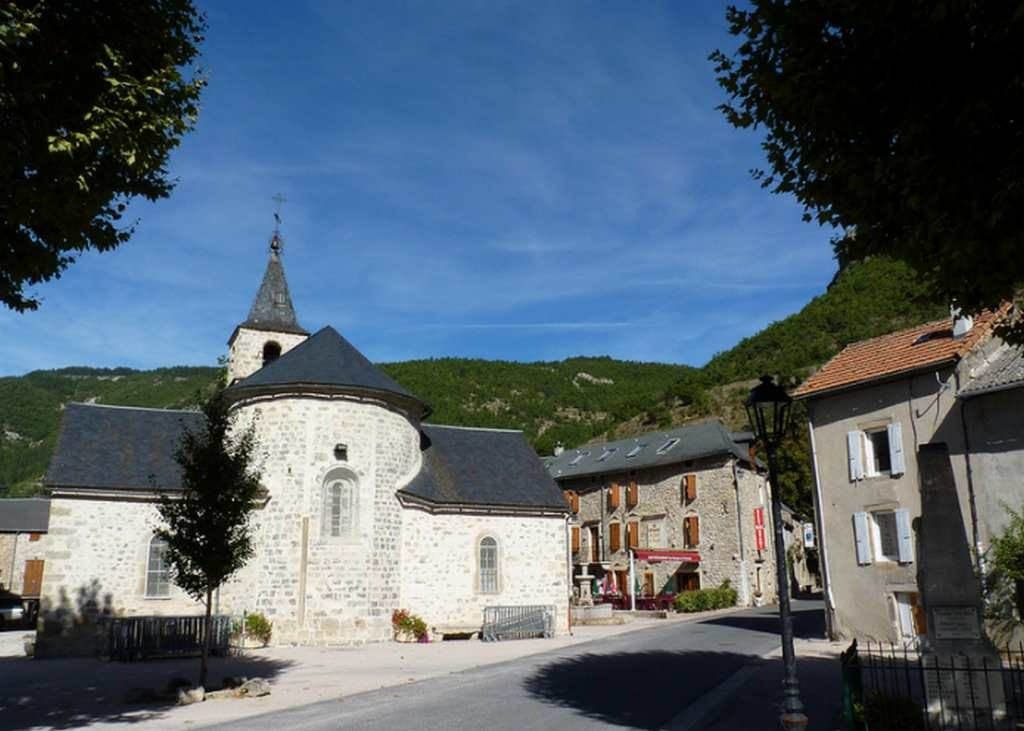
x=368, y=509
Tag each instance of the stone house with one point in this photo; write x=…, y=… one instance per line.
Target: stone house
x=948, y=385
x=368, y=509
x=24, y=524
x=690, y=505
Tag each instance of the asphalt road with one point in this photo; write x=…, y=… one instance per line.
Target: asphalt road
x=640, y=679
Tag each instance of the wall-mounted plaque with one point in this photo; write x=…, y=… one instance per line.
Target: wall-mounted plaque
x=955, y=623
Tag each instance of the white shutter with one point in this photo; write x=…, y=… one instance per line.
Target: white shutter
x=853, y=448
x=905, y=535
x=862, y=538
x=897, y=463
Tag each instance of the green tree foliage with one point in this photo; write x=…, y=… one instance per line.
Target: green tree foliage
x=1004, y=578
x=207, y=524
x=899, y=121
x=93, y=97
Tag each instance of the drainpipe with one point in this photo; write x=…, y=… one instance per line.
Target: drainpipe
x=744, y=579
x=830, y=602
x=568, y=567
x=632, y=584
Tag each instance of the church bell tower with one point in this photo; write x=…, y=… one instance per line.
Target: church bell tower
x=271, y=329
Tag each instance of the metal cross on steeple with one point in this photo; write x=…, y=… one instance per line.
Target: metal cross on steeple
x=275, y=240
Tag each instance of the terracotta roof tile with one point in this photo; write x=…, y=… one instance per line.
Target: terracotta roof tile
x=908, y=350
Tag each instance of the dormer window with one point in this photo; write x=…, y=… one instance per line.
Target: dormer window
x=271, y=352
x=279, y=299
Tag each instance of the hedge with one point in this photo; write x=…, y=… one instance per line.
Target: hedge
x=704, y=599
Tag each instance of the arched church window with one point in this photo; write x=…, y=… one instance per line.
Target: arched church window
x=339, y=514
x=158, y=571
x=488, y=566
x=271, y=352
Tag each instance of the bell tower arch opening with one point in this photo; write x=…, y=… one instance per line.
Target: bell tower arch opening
x=271, y=352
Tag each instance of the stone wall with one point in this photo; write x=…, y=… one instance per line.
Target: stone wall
x=246, y=354
x=661, y=501
x=15, y=550
x=318, y=589
x=440, y=578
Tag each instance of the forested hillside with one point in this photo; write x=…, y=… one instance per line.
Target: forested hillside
x=572, y=401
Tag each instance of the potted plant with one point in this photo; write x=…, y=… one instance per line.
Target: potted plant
x=408, y=627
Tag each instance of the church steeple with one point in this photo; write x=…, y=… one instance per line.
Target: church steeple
x=272, y=309
x=271, y=328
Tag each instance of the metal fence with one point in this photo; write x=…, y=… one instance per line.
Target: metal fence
x=518, y=623
x=140, y=638
x=913, y=689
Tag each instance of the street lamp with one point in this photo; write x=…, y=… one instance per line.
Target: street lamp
x=769, y=408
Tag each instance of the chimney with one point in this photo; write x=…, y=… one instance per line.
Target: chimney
x=962, y=324
x=559, y=448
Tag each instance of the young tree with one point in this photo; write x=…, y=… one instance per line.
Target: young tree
x=207, y=525
x=901, y=122
x=93, y=97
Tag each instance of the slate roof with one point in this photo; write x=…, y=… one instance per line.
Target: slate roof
x=24, y=515
x=324, y=359
x=1005, y=370
x=119, y=447
x=486, y=467
x=906, y=351
x=696, y=441
x=272, y=309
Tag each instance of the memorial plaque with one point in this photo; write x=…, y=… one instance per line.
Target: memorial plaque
x=955, y=623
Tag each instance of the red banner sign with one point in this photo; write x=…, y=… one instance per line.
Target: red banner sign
x=654, y=555
x=759, y=529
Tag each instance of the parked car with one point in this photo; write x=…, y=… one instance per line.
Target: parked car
x=12, y=611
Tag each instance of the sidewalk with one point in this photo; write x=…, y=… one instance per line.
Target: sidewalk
x=751, y=698
x=62, y=693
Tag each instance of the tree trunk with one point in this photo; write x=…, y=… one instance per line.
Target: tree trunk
x=208, y=626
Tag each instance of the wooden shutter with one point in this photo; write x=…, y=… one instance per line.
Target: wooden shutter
x=633, y=534
x=648, y=584
x=33, y=583
x=861, y=538
x=689, y=488
x=622, y=579
x=572, y=499
x=897, y=463
x=614, y=537
x=853, y=440
x=691, y=531
x=595, y=544
x=632, y=495
x=575, y=539
x=919, y=615
x=905, y=536
x=33, y=537
x=613, y=496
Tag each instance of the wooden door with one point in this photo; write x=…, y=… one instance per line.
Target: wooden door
x=595, y=544
x=33, y=583
x=622, y=581
x=648, y=584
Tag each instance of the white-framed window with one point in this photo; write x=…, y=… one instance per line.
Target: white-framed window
x=340, y=517
x=875, y=451
x=883, y=535
x=158, y=571
x=488, y=565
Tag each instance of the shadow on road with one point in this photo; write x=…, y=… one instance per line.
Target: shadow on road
x=68, y=693
x=648, y=689
x=807, y=623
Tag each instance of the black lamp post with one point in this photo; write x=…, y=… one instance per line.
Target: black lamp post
x=769, y=408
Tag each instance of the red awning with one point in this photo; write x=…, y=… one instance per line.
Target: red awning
x=655, y=555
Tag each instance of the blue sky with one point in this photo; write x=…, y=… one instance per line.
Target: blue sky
x=523, y=181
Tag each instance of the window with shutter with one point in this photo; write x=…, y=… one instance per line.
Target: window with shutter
x=613, y=496
x=632, y=495
x=897, y=462
x=575, y=540
x=877, y=460
x=904, y=536
x=691, y=531
x=633, y=535
x=572, y=499
x=887, y=542
x=853, y=448
x=861, y=538
x=690, y=487
x=614, y=537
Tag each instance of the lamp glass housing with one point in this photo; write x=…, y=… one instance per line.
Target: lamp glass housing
x=769, y=408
